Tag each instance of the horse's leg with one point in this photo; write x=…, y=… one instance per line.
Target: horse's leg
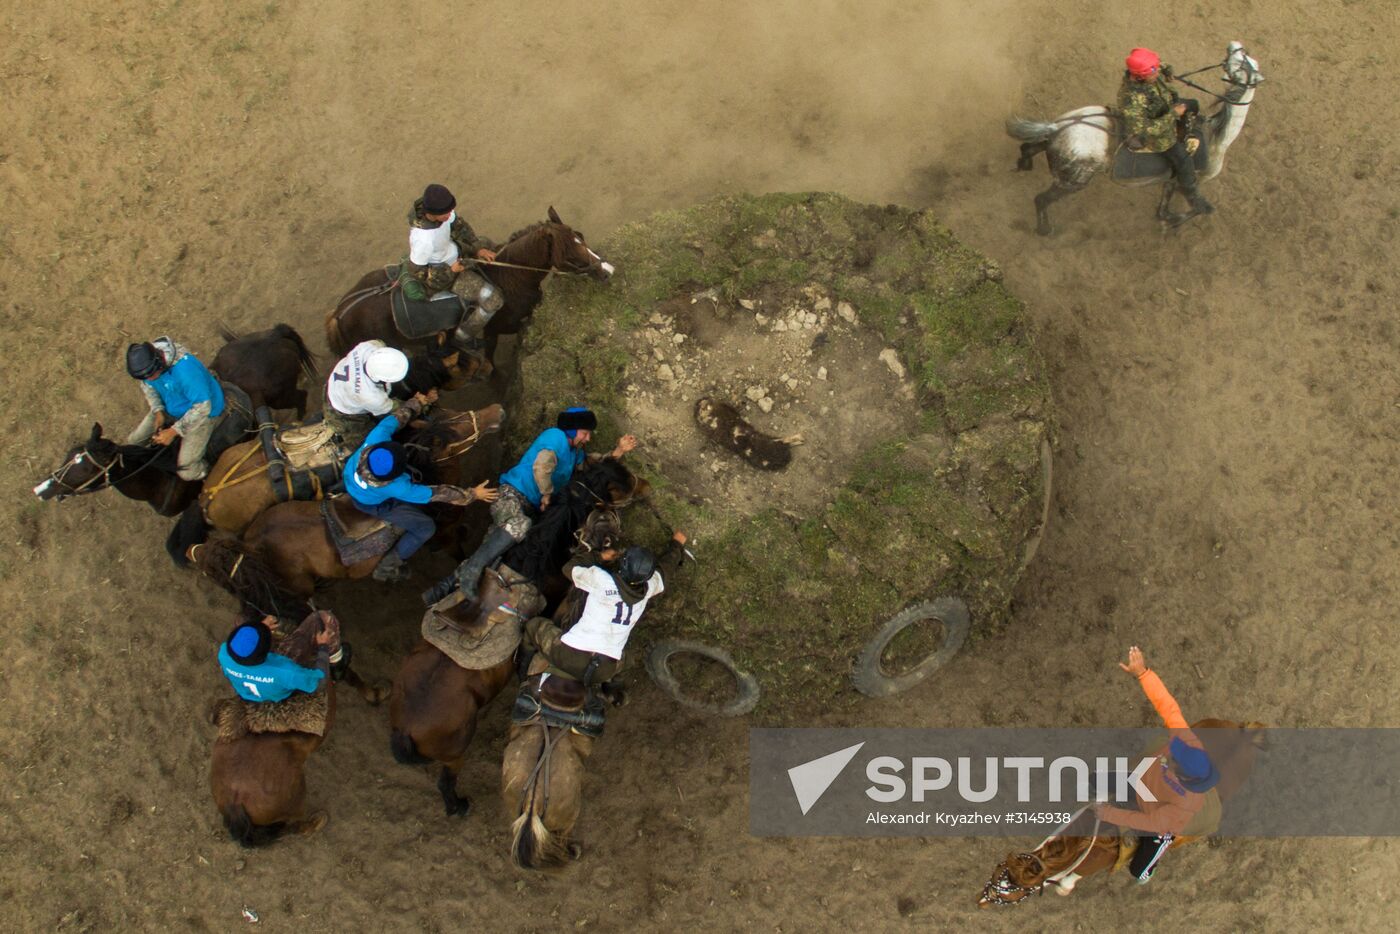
x=1028, y=153
x=1049, y=196
x=456, y=805
x=373, y=693
x=299, y=403
x=308, y=825
x=1164, y=211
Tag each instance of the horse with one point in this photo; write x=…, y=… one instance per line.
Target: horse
x=1082, y=143
x=293, y=539
x=520, y=267
x=266, y=365
x=434, y=702
x=237, y=490
x=1062, y=860
x=259, y=782
x=260, y=592
x=542, y=789
x=143, y=472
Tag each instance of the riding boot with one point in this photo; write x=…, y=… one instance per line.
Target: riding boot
x=340, y=662
x=496, y=543
x=390, y=568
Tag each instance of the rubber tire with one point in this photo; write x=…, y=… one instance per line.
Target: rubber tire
x=950, y=611
x=658, y=666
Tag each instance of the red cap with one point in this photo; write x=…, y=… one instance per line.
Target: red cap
x=1143, y=63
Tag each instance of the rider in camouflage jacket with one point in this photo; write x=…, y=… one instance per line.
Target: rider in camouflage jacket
x=1150, y=111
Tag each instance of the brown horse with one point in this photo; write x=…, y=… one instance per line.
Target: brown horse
x=1062, y=860
x=259, y=783
x=519, y=271
x=434, y=702
x=267, y=365
x=238, y=489
x=542, y=789
x=293, y=540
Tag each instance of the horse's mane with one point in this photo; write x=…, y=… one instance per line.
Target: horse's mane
x=419, y=442
x=527, y=229
x=545, y=548
x=255, y=585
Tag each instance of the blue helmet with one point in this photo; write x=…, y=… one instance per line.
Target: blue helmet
x=385, y=461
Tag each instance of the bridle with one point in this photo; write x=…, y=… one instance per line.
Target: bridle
x=461, y=445
x=104, y=474
x=1000, y=886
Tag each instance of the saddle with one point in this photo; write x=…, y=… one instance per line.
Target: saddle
x=417, y=320
x=357, y=535
x=303, y=461
x=1128, y=164
x=299, y=713
x=473, y=636
x=235, y=424
x=560, y=702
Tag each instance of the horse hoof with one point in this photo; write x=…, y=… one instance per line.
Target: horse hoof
x=575, y=850
x=1176, y=220
x=1024, y=164
x=459, y=807
x=313, y=823
x=376, y=693
x=1044, y=229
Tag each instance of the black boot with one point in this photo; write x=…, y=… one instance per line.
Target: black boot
x=390, y=569
x=496, y=543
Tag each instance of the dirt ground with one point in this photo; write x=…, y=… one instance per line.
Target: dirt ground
x=1228, y=395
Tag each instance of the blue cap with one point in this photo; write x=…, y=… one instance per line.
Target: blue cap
x=249, y=643
x=1193, y=766
x=385, y=460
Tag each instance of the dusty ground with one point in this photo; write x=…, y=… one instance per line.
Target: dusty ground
x=1225, y=488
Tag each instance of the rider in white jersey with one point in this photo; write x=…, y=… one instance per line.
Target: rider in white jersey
x=357, y=391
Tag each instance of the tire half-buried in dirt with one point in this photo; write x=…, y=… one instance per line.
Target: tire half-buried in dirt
x=896, y=353
x=659, y=667
x=870, y=675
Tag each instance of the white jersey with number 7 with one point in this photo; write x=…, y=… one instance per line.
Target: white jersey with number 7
x=607, y=619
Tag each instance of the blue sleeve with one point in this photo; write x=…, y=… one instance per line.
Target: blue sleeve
x=309, y=678
x=411, y=492
x=382, y=432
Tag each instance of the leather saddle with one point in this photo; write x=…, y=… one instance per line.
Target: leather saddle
x=1128, y=164
x=417, y=320
x=560, y=702
x=303, y=461
x=357, y=535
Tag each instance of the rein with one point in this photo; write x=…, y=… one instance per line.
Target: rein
x=104, y=475
x=466, y=443
x=543, y=269
x=551, y=737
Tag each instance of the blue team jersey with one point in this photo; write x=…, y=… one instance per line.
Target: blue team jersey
x=401, y=488
x=274, y=680
x=185, y=385
x=522, y=475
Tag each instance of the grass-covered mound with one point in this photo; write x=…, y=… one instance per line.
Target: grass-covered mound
x=921, y=474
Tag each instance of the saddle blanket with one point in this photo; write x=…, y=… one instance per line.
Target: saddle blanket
x=366, y=537
x=300, y=713
x=419, y=320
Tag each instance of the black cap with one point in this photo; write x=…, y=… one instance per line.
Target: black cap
x=143, y=360
x=438, y=200
x=575, y=419
x=249, y=643
x=637, y=566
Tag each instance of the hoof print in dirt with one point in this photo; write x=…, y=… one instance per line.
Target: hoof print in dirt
x=722, y=424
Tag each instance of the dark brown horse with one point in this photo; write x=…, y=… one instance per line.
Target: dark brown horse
x=434, y=702
x=142, y=472
x=293, y=540
x=267, y=366
x=1062, y=861
x=259, y=783
x=519, y=271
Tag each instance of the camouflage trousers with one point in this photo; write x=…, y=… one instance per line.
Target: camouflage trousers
x=512, y=512
x=351, y=429
x=473, y=289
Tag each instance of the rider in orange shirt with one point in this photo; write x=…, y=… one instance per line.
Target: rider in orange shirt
x=1179, y=782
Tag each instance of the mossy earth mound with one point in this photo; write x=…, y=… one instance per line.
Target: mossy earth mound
x=891, y=346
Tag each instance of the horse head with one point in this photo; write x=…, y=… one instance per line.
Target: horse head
x=1240, y=70
x=555, y=245
x=1017, y=877
x=447, y=435
x=87, y=468
x=611, y=484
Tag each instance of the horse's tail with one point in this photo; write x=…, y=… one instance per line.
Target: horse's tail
x=532, y=846
x=228, y=335
x=403, y=749
x=244, y=832
x=1031, y=131
x=305, y=357
x=191, y=529
x=334, y=339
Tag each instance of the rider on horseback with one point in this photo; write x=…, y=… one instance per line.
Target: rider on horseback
x=180, y=390
x=377, y=483
x=1151, y=111
x=357, y=391
x=258, y=674
x=1179, y=782
x=525, y=492
x=440, y=245
x=591, y=651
